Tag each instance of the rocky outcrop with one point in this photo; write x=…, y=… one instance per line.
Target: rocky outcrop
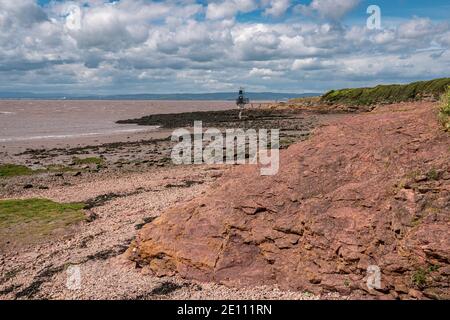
x=370, y=189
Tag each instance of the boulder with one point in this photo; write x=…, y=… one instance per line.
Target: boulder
x=349, y=198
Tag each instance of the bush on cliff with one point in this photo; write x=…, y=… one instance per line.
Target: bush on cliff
x=384, y=94
x=444, y=112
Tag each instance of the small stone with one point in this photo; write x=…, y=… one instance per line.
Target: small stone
x=415, y=294
x=420, y=178
x=90, y=216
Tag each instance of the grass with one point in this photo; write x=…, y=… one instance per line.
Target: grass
x=384, y=94
x=433, y=175
x=12, y=170
x=31, y=219
x=444, y=110
x=91, y=160
x=56, y=168
x=421, y=276
x=304, y=100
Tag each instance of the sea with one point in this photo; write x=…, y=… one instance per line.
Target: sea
x=29, y=120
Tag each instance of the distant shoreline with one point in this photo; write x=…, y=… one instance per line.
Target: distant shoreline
x=218, y=96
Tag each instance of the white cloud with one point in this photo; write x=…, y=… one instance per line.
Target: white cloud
x=277, y=7
x=264, y=72
x=310, y=64
x=179, y=45
x=24, y=13
x=229, y=8
x=329, y=9
x=419, y=28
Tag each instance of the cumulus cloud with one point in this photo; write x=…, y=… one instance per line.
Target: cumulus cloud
x=329, y=9
x=277, y=7
x=182, y=45
x=309, y=64
x=229, y=8
x=24, y=13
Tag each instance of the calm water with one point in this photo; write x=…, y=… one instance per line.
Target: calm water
x=36, y=120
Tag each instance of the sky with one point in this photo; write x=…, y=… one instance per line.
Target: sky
x=189, y=46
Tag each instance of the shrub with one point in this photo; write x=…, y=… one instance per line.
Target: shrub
x=444, y=111
x=419, y=278
x=388, y=93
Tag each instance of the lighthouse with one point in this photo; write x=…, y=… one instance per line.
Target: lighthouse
x=241, y=101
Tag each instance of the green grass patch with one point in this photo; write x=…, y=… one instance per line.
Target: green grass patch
x=56, y=168
x=91, y=160
x=444, y=110
x=420, y=278
x=12, y=170
x=31, y=219
x=384, y=94
x=433, y=175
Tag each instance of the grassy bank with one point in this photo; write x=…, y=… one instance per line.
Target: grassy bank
x=12, y=170
x=9, y=170
x=444, y=112
x=384, y=94
x=26, y=221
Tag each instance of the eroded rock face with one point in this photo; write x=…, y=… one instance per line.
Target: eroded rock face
x=373, y=189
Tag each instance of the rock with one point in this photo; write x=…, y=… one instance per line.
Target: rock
x=77, y=174
x=421, y=178
x=28, y=186
x=415, y=294
x=90, y=215
x=347, y=216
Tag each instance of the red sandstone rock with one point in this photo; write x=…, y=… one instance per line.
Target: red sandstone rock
x=371, y=189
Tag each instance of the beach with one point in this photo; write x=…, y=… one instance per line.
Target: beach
x=135, y=199
x=132, y=183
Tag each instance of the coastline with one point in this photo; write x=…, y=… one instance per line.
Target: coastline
x=134, y=184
